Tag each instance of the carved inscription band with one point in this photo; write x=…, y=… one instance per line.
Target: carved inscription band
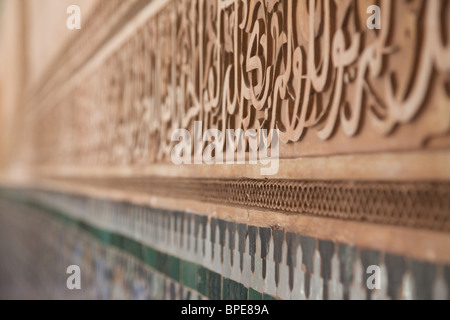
x=311, y=69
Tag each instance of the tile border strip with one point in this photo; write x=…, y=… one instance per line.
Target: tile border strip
x=296, y=266
x=160, y=262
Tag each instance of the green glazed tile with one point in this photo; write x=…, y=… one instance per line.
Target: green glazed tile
x=189, y=274
x=214, y=286
x=105, y=237
x=174, y=268
x=202, y=280
x=254, y=295
x=150, y=257
x=162, y=262
x=232, y=290
x=268, y=297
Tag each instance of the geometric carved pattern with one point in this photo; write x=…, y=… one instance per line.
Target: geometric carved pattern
x=411, y=204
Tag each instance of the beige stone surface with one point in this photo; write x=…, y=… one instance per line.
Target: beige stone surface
x=12, y=71
x=32, y=35
x=47, y=33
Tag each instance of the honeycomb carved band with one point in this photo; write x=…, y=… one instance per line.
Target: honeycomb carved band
x=311, y=69
x=423, y=205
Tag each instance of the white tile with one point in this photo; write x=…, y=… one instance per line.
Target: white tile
x=316, y=290
x=283, y=289
x=335, y=287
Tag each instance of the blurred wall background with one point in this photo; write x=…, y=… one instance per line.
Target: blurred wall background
x=32, y=35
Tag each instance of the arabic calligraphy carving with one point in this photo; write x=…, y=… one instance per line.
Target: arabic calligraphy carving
x=309, y=68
